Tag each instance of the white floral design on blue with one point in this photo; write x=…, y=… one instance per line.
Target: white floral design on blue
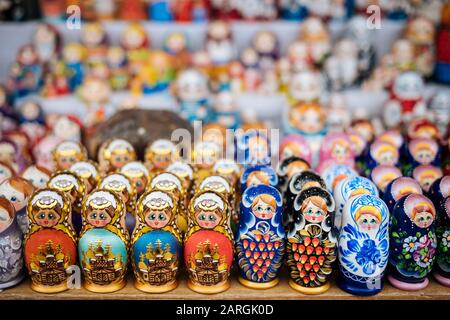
x=410, y=244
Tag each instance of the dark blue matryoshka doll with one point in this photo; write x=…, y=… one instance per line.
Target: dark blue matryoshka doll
x=413, y=242
x=381, y=153
x=421, y=151
x=348, y=188
x=426, y=175
x=398, y=188
x=293, y=10
x=260, y=238
x=439, y=190
x=253, y=148
x=287, y=168
x=335, y=173
x=363, y=245
x=258, y=174
x=382, y=175
x=156, y=243
x=442, y=273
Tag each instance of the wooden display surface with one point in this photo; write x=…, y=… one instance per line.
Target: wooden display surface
x=282, y=291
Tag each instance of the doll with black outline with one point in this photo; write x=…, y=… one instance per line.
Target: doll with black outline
x=442, y=270
x=287, y=168
x=68, y=153
x=88, y=172
x=138, y=175
x=114, y=154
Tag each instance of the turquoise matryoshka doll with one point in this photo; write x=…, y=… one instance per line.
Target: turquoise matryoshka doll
x=156, y=243
x=363, y=245
x=442, y=273
x=413, y=242
x=103, y=244
x=260, y=238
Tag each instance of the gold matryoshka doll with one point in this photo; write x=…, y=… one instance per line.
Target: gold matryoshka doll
x=204, y=155
x=228, y=169
x=138, y=174
x=87, y=171
x=50, y=244
x=208, y=245
x=74, y=189
x=160, y=154
x=103, y=244
x=114, y=154
x=68, y=153
x=185, y=173
x=156, y=244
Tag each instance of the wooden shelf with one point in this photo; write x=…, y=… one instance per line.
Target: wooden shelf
x=282, y=291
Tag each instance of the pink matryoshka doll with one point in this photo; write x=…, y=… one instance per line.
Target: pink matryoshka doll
x=336, y=149
x=295, y=145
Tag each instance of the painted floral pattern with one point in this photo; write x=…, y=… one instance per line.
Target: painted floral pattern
x=11, y=262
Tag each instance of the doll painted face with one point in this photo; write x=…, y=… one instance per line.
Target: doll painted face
x=191, y=85
x=157, y=219
x=17, y=191
x=305, y=86
x=208, y=219
x=98, y=218
x=37, y=176
x=314, y=209
x=265, y=42
x=340, y=150
x=93, y=35
x=73, y=52
x=134, y=37
x=28, y=56
x=160, y=153
x=258, y=177
x=7, y=152
x=385, y=154
x=408, y=86
x=5, y=172
x=368, y=222
x=264, y=206
x=121, y=152
x=47, y=218
x=423, y=153
x=5, y=219
x=68, y=157
x=423, y=216
x=308, y=118
x=258, y=148
x=426, y=175
x=67, y=129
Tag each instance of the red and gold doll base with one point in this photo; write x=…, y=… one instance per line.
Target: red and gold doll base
x=310, y=291
x=217, y=288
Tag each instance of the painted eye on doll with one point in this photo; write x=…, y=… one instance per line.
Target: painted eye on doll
x=202, y=217
x=102, y=216
x=94, y=216
x=51, y=216
x=13, y=199
x=152, y=216
x=212, y=217
x=162, y=217
x=42, y=216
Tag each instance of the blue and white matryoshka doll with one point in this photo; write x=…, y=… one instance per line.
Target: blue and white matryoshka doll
x=260, y=238
x=259, y=174
x=382, y=175
x=226, y=110
x=421, y=151
x=348, y=188
x=381, y=153
x=156, y=243
x=413, y=242
x=193, y=95
x=363, y=245
x=253, y=148
x=398, y=188
x=442, y=273
x=335, y=173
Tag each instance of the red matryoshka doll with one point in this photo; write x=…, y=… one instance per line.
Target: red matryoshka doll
x=426, y=175
x=138, y=175
x=288, y=168
x=135, y=42
x=312, y=242
x=159, y=155
x=421, y=151
x=74, y=189
x=103, y=244
x=442, y=273
x=260, y=238
x=95, y=40
x=336, y=149
x=295, y=145
x=50, y=244
x=11, y=238
x=398, y=188
x=114, y=154
x=156, y=243
x=6, y=171
x=38, y=176
x=315, y=34
x=382, y=175
x=87, y=171
x=413, y=242
x=68, y=153
x=18, y=191
x=208, y=245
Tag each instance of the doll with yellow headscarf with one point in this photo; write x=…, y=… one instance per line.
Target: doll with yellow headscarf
x=103, y=242
x=156, y=243
x=50, y=243
x=68, y=153
x=114, y=154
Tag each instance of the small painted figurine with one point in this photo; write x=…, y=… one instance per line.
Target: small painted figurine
x=204, y=156
x=135, y=41
x=208, y=245
x=74, y=55
x=138, y=175
x=11, y=252
x=117, y=61
x=442, y=272
x=6, y=171
x=114, y=154
x=420, y=152
x=31, y=119
x=439, y=190
x=266, y=45
x=160, y=10
x=295, y=10
x=295, y=145
x=289, y=167
x=335, y=173
x=382, y=175
x=94, y=38
x=42, y=151
x=259, y=174
x=260, y=238
x=219, y=43
x=423, y=128
x=398, y=188
x=38, y=176
x=381, y=153
x=102, y=248
x=159, y=155
x=18, y=191
x=50, y=243
x=363, y=245
x=253, y=148
x=338, y=114
x=342, y=66
x=185, y=173
x=426, y=175
x=413, y=242
x=226, y=110
x=156, y=243
x=305, y=87
x=95, y=93
x=311, y=242
x=68, y=153
x=403, y=55
x=47, y=41
x=336, y=149
x=67, y=127
x=87, y=171
x=73, y=188
x=228, y=169
x=315, y=34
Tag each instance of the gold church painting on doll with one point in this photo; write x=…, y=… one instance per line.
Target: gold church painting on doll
x=207, y=266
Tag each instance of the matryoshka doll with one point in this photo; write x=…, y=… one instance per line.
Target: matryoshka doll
x=114, y=154
x=439, y=190
x=103, y=244
x=335, y=173
x=316, y=35
x=18, y=191
x=208, y=245
x=363, y=245
x=87, y=171
x=413, y=242
x=117, y=62
x=381, y=153
x=9, y=154
x=32, y=122
x=336, y=149
x=426, y=175
x=68, y=153
x=123, y=187
x=74, y=55
x=423, y=128
x=382, y=175
x=287, y=168
x=94, y=38
x=253, y=148
x=295, y=145
x=398, y=188
x=159, y=155
x=442, y=270
x=205, y=155
x=305, y=87
x=266, y=45
x=156, y=243
x=228, y=169
x=11, y=238
x=138, y=175
x=185, y=173
x=6, y=171
x=440, y=110
x=419, y=152
x=311, y=242
x=38, y=176
x=260, y=238
x=50, y=244
x=135, y=41
x=74, y=189
x=260, y=174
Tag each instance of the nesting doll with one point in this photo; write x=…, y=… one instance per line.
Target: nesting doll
x=204, y=156
x=426, y=175
x=122, y=186
x=363, y=245
x=348, y=188
x=185, y=173
x=9, y=154
x=228, y=169
x=87, y=171
x=38, y=176
x=311, y=241
x=159, y=155
x=260, y=237
x=18, y=191
x=68, y=153
x=423, y=128
x=11, y=253
x=295, y=145
x=114, y=154
x=287, y=168
x=103, y=243
x=95, y=40
x=156, y=243
x=442, y=273
x=138, y=175
x=208, y=245
x=6, y=171
x=439, y=190
x=421, y=151
x=259, y=174
x=336, y=149
x=382, y=175
x=398, y=188
x=335, y=173
x=253, y=148
x=413, y=242
x=50, y=244
x=381, y=153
